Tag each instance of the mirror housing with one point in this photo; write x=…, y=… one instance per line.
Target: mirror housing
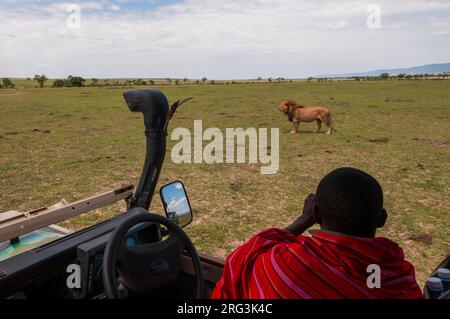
x=176, y=203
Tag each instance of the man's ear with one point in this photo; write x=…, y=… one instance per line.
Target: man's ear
x=316, y=214
x=383, y=218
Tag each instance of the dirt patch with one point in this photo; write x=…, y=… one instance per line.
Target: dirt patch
x=12, y=133
x=227, y=115
x=423, y=238
x=381, y=140
x=236, y=184
x=398, y=100
x=36, y=130
x=442, y=144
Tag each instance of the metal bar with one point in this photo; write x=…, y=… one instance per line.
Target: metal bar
x=24, y=223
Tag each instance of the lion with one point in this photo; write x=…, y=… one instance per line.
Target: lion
x=298, y=113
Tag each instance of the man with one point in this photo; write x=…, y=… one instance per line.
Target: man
x=339, y=261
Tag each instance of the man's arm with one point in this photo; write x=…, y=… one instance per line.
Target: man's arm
x=306, y=219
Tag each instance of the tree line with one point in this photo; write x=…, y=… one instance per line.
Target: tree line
x=403, y=76
x=78, y=81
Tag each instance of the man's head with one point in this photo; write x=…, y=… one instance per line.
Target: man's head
x=350, y=201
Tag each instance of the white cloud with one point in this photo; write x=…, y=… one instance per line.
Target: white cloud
x=335, y=25
x=176, y=205
x=441, y=33
x=219, y=38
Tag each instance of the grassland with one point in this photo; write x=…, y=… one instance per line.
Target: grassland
x=70, y=143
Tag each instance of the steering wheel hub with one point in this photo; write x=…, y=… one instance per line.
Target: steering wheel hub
x=149, y=266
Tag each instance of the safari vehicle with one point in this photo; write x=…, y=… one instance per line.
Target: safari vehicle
x=134, y=255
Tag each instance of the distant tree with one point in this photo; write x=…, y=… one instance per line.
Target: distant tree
x=270, y=80
x=401, y=76
x=40, y=79
x=197, y=82
x=204, y=80
x=385, y=76
x=213, y=82
x=408, y=76
x=309, y=79
x=177, y=82
x=94, y=82
x=75, y=81
x=169, y=81
x=356, y=78
x=259, y=78
x=152, y=82
x=185, y=80
x=7, y=84
x=58, y=83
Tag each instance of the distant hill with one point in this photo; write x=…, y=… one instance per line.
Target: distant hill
x=429, y=68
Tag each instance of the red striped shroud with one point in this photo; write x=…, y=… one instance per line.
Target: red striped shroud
x=277, y=264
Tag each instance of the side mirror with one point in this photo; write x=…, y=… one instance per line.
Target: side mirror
x=176, y=203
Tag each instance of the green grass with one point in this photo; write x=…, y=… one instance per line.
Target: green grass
x=71, y=143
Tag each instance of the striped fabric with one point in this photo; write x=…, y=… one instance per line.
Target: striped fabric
x=276, y=264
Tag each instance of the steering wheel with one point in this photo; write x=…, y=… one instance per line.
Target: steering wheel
x=149, y=266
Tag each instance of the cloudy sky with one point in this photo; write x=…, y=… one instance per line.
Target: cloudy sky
x=219, y=39
x=176, y=197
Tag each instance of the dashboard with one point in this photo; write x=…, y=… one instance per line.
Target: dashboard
x=45, y=268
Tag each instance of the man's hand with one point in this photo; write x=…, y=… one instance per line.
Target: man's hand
x=306, y=219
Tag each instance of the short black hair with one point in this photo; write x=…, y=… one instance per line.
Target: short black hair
x=350, y=201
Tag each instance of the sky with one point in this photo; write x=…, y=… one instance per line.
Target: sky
x=176, y=199
x=219, y=39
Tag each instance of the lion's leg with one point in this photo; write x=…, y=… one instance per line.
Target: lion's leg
x=319, y=125
x=295, y=126
x=329, y=124
x=330, y=128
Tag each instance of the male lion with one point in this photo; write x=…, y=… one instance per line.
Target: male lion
x=298, y=113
